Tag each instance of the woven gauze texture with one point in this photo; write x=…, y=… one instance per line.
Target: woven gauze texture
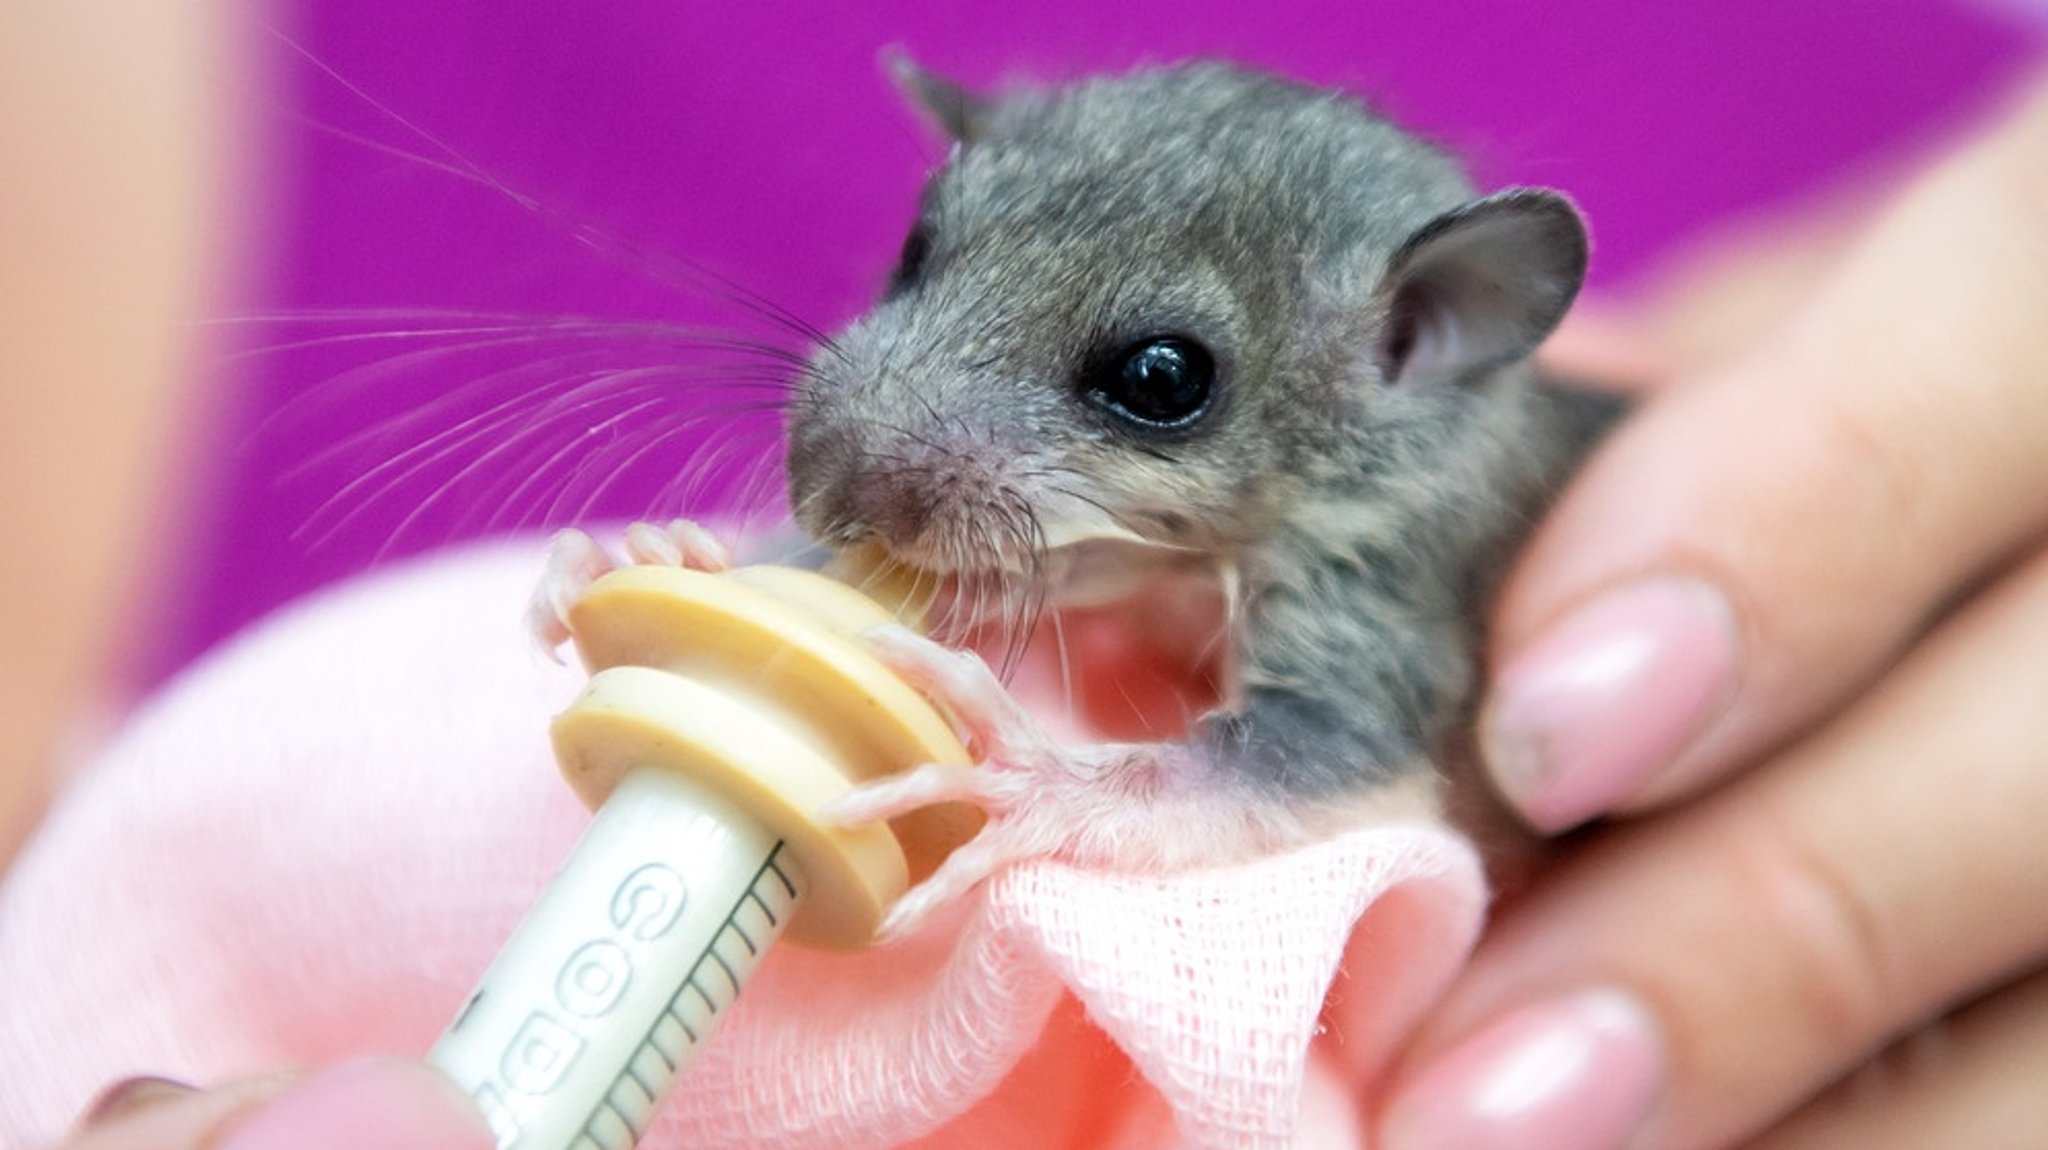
x=310, y=846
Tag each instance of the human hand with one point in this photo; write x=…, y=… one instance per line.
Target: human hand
x=384, y=1103
x=1789, y=627
x=113, y=148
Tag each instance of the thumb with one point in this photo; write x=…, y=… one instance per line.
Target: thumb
x=386, y=1103
x=1757, y=543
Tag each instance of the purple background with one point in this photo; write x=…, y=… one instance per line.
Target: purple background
x=760, y=140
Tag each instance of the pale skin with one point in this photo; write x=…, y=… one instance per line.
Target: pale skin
x=98, y=285
x=1841, y=864
x=1856, y=832
x=116, y=146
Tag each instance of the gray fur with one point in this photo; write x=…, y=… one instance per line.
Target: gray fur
x=1367, y=500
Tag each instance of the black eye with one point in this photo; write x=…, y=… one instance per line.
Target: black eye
x=1164, y=383
x=916, y=246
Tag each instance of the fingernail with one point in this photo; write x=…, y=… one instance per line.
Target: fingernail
x=1577, y=1073
x=386, y=1103
x=1592, y=710
x=132, y=1094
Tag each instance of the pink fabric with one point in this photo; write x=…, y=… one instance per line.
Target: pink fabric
x=311, y=845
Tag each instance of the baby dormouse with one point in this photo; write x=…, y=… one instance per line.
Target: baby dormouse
x=1199, y=322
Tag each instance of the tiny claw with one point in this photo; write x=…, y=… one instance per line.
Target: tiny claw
x=544, y=626
x=905, y=917
x=963, y=871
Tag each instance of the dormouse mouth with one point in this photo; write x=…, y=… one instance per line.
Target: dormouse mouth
x=1088, y=572
x=1099, y=571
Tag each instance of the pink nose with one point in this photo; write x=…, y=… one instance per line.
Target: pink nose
x=896, y=505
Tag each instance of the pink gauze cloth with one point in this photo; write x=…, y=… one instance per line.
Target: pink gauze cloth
x=310, y=846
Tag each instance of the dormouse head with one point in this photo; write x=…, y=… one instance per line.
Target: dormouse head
x=1152, y=310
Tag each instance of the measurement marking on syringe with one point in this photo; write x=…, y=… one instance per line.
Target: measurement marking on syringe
x=710, y=1006
x=788, y=885
x=731, y=979
x=629, y=1115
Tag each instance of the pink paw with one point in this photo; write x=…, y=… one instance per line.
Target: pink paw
x=1042, y=799
x=575, y=561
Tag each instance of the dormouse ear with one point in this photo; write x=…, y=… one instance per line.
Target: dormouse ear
x=1481, y=285
x=959, y=112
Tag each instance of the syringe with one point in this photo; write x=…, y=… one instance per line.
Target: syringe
x=722, y=712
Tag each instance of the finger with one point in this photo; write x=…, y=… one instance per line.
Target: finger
x=1774, y=935
x=1755, y=545
x=1742, y=280
x=1719, y=295
x=1972, y=1080
x=1607, y=344
x=382, y=1102
x=121, y=124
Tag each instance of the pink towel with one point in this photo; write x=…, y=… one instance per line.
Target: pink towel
x=310, y=846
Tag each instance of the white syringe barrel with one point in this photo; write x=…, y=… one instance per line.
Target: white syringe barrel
x=723, y=711
x=622, y=969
